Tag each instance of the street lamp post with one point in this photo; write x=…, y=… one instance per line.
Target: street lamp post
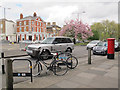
x=4, y=8
x=78, y=14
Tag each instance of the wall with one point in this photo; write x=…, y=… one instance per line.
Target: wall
x=10, y=31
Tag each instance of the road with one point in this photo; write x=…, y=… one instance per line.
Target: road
x=22, y=66
x=14, y=49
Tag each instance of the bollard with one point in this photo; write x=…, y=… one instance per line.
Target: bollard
x=89, y=55
x=9, y=75
x=3, y=66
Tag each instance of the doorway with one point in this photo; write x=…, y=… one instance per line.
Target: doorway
x=30, y=38
x=7, y=38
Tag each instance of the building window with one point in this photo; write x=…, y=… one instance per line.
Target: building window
x=20, y=29
x=37, y=29
x=29, y=22
x=20, y=23
x=40, y=23
x=1, y=26
x=36, y=37
x=32, y=22
x=24, y=22
x=40, y=29
x=24, y=28
x=37, y=23
x=32, y=28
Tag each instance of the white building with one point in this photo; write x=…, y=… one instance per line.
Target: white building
x=7, y=30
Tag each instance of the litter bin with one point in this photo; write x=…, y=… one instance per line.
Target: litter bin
x=110, y=52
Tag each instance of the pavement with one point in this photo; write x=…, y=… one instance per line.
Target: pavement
x=102, y=73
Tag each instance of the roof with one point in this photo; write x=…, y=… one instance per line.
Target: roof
x=55, y=26
x=29, y=17
x=60, y=37
x=6, y=20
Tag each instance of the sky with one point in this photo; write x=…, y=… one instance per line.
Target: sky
x=60, y=11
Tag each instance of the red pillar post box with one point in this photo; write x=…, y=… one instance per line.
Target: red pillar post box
x=110, y=52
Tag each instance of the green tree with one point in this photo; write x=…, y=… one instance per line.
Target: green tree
x=106, y=29
x=95, y=35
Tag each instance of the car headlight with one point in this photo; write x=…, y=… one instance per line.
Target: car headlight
x=94, y=48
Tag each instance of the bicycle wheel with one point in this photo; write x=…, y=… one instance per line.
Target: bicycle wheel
x=37, y=68
x=72, y=62
x=59, y=68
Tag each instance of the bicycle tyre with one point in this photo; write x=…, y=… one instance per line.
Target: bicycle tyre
x=59, y=68
x=72, y=62
x=37, y=68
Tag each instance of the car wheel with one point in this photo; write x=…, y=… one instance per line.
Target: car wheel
x=94, y=53
x=69, y=50
x=45, y=55
x=32, y=56
x=87, y=48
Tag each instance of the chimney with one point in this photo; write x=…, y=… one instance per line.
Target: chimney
x=21, y=16
x=48, y=24
x=54, y=23
x=34, y=15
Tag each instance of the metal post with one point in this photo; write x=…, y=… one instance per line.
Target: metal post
x=9, y=74
x=3, y=66
x=4, y=12
x=89, y=55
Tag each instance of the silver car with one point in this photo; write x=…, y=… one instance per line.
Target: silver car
x=50, y=45
x=101, y=48
x=92, y=44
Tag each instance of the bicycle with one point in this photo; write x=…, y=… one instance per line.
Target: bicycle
x=58, y=67
x=71, y=60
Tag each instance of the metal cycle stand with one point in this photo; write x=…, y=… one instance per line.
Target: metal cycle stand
x=21, y=74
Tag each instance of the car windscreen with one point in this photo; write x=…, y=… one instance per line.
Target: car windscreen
x=93, y=42
x=101, y=44
x=47, y=41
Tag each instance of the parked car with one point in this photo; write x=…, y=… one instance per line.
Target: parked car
x=37, y=41
x=117, y=46
x=50, y=45
x=92, y=44
x=101, y=48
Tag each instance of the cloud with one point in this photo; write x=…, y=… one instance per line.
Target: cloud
x=60, y=13
x=61, y=10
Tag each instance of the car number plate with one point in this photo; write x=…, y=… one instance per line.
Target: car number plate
x=98, y=51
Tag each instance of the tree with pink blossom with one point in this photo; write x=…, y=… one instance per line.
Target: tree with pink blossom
x=75, y=27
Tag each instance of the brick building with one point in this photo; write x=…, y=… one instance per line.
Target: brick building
x=31, y=28
x=53, y=29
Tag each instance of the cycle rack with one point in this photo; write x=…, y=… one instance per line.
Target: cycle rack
x=23, y=74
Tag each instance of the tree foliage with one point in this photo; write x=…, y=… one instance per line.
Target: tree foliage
x=75, y=28
x=95, y=35
x=106, y=29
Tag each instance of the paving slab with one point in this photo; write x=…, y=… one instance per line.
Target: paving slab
x=86, y=75
x=104, y=82
x=81, y=80
x=105, y=66
x=100, y=74
x=67, y=84
x=97, y=72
